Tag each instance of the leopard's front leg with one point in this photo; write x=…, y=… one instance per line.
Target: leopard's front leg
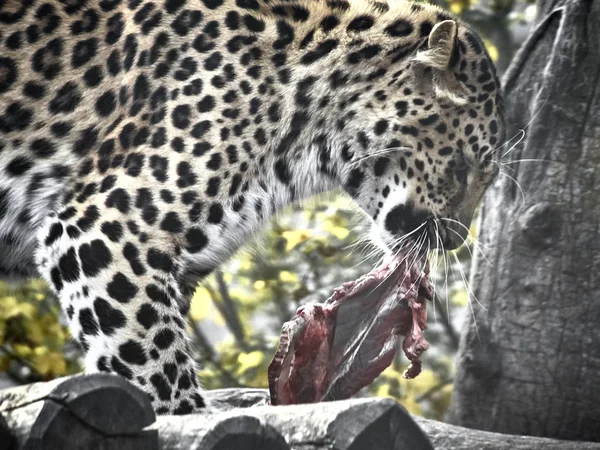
x=123, y=302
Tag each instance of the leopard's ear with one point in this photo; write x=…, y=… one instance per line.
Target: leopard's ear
x=442, y=46
x=442, y=55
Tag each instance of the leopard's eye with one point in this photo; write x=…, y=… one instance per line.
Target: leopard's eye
x=462, y=170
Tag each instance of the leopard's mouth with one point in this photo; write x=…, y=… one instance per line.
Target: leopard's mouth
x=434, y=233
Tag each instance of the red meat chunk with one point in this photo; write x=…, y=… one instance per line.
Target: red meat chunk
x=330, y=351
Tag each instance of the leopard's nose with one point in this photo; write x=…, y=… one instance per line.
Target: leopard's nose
x=405, y=218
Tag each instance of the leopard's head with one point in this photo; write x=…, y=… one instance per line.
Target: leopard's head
x=425, y=146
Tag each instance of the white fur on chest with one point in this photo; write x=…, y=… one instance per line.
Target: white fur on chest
x=28, y=199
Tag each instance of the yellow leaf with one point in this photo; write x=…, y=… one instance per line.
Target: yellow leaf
x=35, y=333
x=245, y=262
x=340, y=232
x=58, y=365
x=9, y=307
x=383, y=391
x=412, y=406
x=22, y=350
x=201, y=304
x=288, y=277
x=259, y=285
x=4, y=363
x=49, y=364
x=460, y=297
x=391, y=373
x=27, y=310
x=295, y=237
x=492, y=50
x=249, y=360
x=217, y=318
x=456, y=8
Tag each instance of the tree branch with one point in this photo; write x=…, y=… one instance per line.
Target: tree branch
x=211, y=356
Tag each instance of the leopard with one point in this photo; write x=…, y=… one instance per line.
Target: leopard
x=143, y=142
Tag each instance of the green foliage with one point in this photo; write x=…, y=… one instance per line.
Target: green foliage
x=34, y=345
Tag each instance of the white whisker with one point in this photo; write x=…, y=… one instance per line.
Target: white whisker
x=470, y=237
x=381, y=152
x=466, y=283
x=516, y=183
x=526, y=160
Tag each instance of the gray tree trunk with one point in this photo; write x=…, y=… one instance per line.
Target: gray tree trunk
x=529, y=359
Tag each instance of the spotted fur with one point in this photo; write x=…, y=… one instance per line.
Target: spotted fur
x=142, y=143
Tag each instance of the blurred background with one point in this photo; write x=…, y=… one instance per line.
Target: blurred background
x=236, y=314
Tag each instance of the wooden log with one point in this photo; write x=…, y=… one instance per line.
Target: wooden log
x=7, y=439
x=221, y=431
x=452, y=437
x=104, y=411
x=442, y=435
x=358, y=424
x=79, y=412
x=225, y=399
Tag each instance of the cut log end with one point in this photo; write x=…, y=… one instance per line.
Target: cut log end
x=243, y=432
x=382, y=425
x=7, y=439
x=83, y=411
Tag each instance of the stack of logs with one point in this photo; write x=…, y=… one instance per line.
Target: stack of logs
x=104, y=411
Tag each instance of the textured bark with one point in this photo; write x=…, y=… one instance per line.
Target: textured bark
x=104, y=411
x=529, y=359
x=357, y=424
x=94, y=411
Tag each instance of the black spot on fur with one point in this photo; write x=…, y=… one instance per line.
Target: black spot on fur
x=354, y=181
x=66, y=99
x=380, y=166
x=94, y=257
x=322, y=50
x=55, y=233
x=164, y=338
x=69, y=266
x=196, y=240
x=159, y=260
x=360, y=23
x=42, y=148
x=133, y=353
x=400, y=28
x=119, y=199
x=19, y=165
x=110, y=318
x=147, y=316
x=121, y=368
x=112, y=230
x=106, y=104
x=88, y=322
x=160, y=383
x=158, y=295
x=171, y=223
x=215, y=213
x=121, y=289
x=83, y=52
x=132, y=254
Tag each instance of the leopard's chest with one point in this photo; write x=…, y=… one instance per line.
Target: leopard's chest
x=26, y=198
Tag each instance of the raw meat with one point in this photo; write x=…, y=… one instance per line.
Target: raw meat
x=329, y=351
